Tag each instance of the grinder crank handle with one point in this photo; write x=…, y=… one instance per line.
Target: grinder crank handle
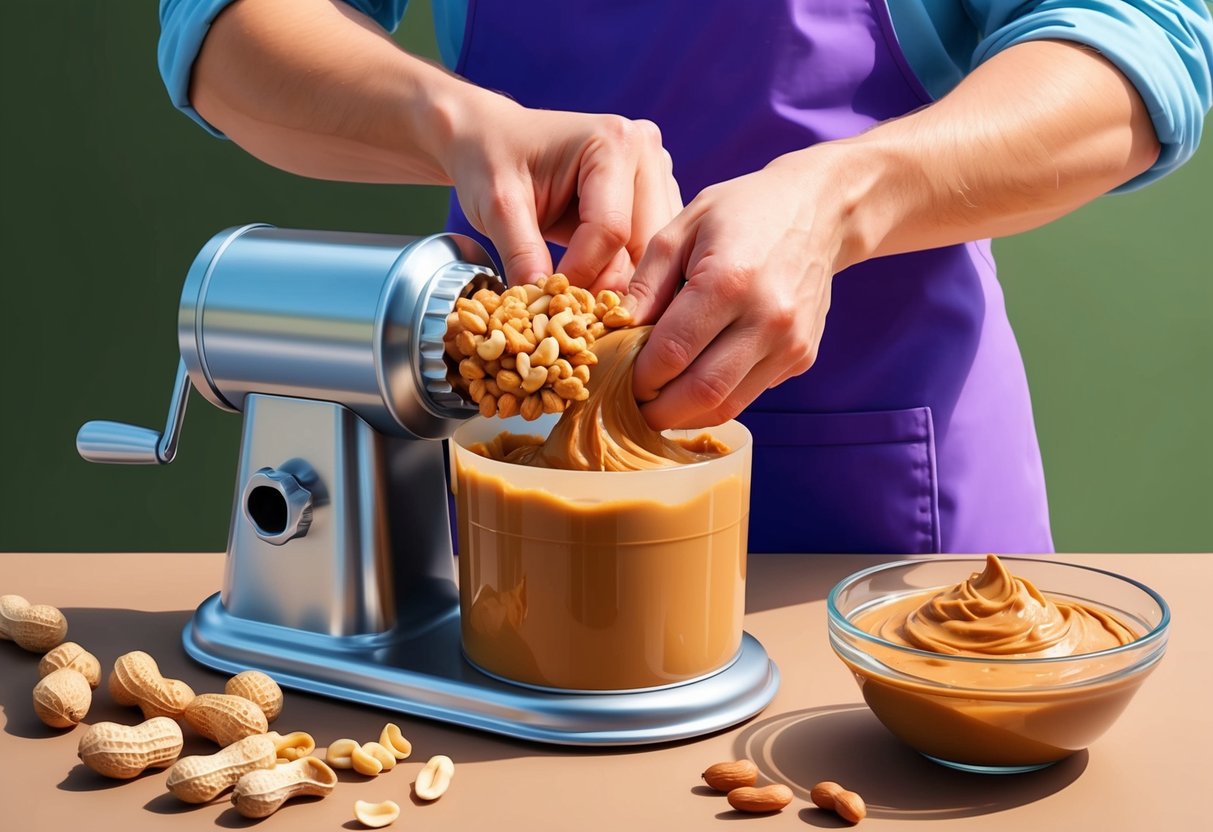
x=123, y=444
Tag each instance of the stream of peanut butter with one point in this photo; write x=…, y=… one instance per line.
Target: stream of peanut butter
x=606, y=432
x=994, y=613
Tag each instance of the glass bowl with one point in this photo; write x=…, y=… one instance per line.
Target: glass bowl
x=992, y=714
x=600, y=580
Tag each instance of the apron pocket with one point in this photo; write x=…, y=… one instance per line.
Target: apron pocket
x=844, y=482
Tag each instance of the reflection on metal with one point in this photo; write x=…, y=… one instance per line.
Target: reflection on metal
x=421, y=671
x=339, y=577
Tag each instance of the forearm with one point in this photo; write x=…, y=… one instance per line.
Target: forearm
x=315, y=88
x=1029, y=136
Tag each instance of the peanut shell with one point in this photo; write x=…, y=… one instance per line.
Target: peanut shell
x=225, y=718
x=62, y=698
x=70, y=654
x=259, y=689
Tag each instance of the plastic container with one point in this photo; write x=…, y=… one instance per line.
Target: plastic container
x=991, y=714
x=593, y=581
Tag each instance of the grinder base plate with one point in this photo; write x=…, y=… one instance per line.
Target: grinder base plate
x=421, y=671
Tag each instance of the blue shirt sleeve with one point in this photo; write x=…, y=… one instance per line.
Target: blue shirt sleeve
x=1163, y=47
x=183, y=27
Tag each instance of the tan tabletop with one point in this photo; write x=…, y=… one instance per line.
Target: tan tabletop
x=1151, y=771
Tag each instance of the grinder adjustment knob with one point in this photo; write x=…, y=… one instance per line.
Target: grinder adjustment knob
x=277, y=506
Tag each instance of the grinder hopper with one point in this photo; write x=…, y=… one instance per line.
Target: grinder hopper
x=339, y=576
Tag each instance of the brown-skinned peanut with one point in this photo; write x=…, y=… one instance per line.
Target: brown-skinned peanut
x=758, y=800
x=846, y=804
x=724, y=777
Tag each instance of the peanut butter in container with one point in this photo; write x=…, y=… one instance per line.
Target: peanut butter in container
x=594, y=553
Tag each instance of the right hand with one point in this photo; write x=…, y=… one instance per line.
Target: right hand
x=600, y=185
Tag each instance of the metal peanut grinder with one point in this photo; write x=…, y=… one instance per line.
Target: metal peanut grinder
x=340, y=576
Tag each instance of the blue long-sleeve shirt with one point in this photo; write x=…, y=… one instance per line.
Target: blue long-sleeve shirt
x=1164, y=48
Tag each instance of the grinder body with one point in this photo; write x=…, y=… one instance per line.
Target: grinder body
x=355, y=319
x=339, y=577
x=330, y=344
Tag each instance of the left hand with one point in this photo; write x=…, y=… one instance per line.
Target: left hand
x=759, y=253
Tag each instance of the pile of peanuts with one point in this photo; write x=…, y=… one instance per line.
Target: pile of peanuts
x=527, y=350
x=737, y=780
x=262, y=768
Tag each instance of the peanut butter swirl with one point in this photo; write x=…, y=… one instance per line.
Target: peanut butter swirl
x=606, y=432
x=994, y=613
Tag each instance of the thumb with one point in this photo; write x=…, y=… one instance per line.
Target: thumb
x=511, y=224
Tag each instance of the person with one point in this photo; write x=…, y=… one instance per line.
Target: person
x=844, y=156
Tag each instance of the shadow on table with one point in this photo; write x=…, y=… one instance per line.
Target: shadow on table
x=847, y=744
x=108, y=633
x=774, y=581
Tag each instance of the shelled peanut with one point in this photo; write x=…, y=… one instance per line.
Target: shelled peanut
x=376, y=815
x=736, y=779
x=528, y=350
x=292, y=746
x=435, y=778
x=834, y=798
x=367, y=759
x=373, y=757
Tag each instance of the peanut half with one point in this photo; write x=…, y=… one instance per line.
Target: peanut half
x=35, y=627
x=260, y=793
x=136, y=680
x=124, y=751
x=380, y=754
x=62, y=698
x=225, y=718
x=395, y=742
x=724, y=777
x=259, y=689
x=202, y=778
x=340, y=753
x=293, y=746
x=376, y=815
x=70, y=654
x=832, y=797
x=369, y=759
x=434, y=779
x=764, y=799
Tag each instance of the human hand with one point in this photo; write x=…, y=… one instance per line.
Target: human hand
x=759, y=253
x=601, y=185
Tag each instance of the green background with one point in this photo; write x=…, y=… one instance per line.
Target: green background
x=108, y=193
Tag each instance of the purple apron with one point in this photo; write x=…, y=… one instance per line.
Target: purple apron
x=913, y=431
